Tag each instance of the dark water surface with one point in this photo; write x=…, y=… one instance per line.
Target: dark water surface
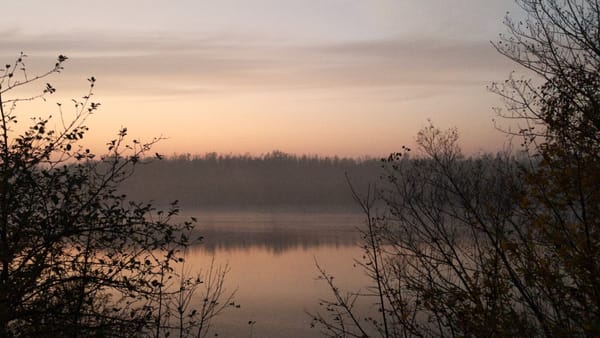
x=272, y=261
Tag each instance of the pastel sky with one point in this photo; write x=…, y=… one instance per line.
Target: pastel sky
x=328, y=77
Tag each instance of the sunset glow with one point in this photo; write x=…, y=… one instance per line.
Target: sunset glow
x=350, y=78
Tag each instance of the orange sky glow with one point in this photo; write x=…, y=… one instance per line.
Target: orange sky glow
x=347, y=78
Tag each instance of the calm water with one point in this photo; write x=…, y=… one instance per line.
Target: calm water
x=272, y=260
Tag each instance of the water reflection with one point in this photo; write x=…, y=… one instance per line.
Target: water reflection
x=272, y=260
x=277, y=232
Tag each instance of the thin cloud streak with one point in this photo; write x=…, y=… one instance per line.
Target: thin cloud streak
x=179, y=65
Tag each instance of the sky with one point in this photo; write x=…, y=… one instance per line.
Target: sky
x=327, y=77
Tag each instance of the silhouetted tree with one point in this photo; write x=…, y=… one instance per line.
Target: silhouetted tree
x=495, y=246
x=560, y=121
x=77, y=259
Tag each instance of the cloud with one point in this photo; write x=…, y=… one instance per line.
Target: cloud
x=186, y=64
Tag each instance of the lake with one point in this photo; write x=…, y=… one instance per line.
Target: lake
x=272, y=266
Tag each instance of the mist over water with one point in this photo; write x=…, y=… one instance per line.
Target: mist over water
x=276, y=232
x=275, y=181
x=270, y=219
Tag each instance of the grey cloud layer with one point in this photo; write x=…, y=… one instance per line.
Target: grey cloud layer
x=184, y=64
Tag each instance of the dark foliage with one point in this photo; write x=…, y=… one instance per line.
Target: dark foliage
x=495, y=246
x=77, y=258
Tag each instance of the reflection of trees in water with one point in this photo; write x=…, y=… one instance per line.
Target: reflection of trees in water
x=277, y=233
x=277, y=240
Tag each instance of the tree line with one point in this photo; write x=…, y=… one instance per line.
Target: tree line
x=275, y=180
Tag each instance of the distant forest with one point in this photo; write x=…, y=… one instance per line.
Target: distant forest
x=276, y=180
